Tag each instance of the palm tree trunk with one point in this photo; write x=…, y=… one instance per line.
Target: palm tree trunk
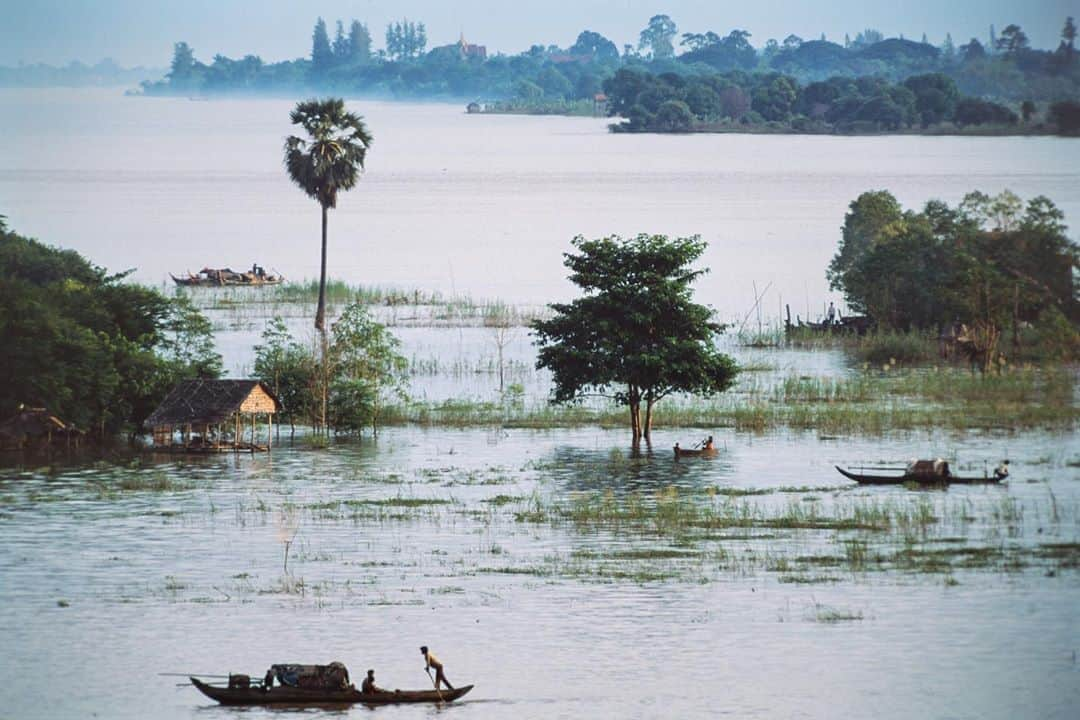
x=320, y=323
x=320, y=311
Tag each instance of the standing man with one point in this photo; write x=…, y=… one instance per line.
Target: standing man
x=832, y=313
x=433, y=662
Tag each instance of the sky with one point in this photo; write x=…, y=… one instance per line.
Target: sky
x=142, y=32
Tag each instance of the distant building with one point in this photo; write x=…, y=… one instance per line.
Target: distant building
x=470, y=51
x=213, y=416
x=473, y=108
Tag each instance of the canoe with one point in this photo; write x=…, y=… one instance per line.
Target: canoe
x=702, y=452
x=284, y=695
x=919, y=479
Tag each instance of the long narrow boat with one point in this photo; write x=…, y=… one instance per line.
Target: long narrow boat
x=284, y=695
x=921, y=479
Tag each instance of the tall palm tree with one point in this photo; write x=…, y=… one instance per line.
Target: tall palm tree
x=329, y=160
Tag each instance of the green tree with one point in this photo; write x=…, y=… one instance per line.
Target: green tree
x=359, y=42
x=674, y=116
x=368, y=369
x=98, y=352
x=322, y=55
x=657, y=37
x=182, y=69
x=595, y=45
x=290, y=370
x=325, y=163
x=1013, y=40
x=340, y=47
x=1068, y=39
x=636, y=335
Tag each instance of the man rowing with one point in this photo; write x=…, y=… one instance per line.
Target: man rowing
x=433, y=662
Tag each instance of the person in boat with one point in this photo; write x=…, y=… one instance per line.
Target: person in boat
x=707, y=444
x=433, y=662
x=1002, y=471
x=831, y=314
x=369, y=687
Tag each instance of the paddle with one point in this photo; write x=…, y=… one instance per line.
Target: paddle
x=435, y=683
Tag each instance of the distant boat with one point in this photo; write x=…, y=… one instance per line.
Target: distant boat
x=222, y=277
x=299, y=697
x=926, y=472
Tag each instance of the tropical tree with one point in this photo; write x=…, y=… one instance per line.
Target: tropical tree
x=636, y=336
x=328, y=161
x=368, y=369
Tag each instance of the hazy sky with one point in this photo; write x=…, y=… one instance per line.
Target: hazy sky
x=141, y=32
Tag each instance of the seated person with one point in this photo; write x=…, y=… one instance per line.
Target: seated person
x=368, y=687
x=1002, y=470
x=708, y=443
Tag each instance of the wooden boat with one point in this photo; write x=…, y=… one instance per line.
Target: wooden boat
x=285, y=695
x=227, y=277
x=704, y=449
x=925, y=472
x=700, y=452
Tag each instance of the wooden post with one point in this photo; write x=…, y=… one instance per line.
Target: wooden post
x=252, y=431
x=269, y=431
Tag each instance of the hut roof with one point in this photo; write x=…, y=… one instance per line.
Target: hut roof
x=205, y=401
x=33, y=422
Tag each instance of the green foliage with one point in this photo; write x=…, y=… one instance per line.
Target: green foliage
x=992, y=260
x=328, y=161
x=657, y=37
x=635, y=335
x=290, y=370
x=95, y=351
x=367, y=370
x=345, y=64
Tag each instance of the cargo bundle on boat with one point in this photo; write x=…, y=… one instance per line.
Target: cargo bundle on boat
x=214, y=416
x=221, y=277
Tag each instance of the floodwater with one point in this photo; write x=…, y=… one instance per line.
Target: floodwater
x=481, y=205
x=414, y=539
x=114, y=570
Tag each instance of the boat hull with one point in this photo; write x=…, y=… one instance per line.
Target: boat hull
x=917, y=479
x=283, y=695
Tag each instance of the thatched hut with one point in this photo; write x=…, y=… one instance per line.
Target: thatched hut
x=36, y=426
x=214, y=416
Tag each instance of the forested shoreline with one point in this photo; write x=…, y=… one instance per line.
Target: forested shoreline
x=672, y=82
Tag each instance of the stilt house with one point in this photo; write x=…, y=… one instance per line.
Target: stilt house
x=214, y=416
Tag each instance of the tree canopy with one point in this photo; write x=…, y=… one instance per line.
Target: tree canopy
x=991, y=260
x=636, y=335
x=96, y=351
x=326, y=162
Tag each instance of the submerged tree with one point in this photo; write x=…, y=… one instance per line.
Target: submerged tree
x=367, y=370
x=636, y=336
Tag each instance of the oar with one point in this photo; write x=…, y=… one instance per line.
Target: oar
x=435, y=683
x=202, y=675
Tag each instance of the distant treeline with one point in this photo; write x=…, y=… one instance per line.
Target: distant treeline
x=75, y=74
x=739, y=100
x=1004, y=67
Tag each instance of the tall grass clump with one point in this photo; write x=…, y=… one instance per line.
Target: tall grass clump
x=891, y=347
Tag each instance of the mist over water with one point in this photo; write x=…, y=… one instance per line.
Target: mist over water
x=479, y=205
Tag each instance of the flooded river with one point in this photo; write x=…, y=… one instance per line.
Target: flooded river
x=562, y=573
